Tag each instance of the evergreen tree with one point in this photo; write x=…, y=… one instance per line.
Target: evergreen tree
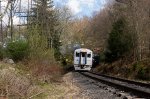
x=46, y=22
x=119, y=41
x=44, y=17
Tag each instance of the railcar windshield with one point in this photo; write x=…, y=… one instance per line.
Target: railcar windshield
x=77, y=54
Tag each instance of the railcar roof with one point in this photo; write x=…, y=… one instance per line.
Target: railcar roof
x=83, y=50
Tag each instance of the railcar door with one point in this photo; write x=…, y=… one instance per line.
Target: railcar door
x=77, y=58
x=83, y=58
x=89, y=58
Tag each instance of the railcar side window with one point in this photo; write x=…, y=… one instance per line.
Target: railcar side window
x=83, y=54
x=89, y=55
x=77, y=54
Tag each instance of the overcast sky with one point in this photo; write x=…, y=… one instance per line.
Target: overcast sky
x=82, y=7
x=78, y=8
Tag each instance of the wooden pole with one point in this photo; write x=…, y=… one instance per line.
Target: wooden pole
x=1, y=21
x=11, y=19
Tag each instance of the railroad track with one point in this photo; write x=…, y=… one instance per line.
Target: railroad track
x=137, y=88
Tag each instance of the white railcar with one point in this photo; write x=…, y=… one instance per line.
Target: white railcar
x=83, y=59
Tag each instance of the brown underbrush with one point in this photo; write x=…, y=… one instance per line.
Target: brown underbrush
x=14, y=85
x=45, y=72
x=127, y=69
x=26, y=80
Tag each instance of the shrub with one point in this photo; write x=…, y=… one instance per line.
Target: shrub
x=17, y=50
x=67, y=60
x=136, y=66
x=4, y=53
x=57, y=55
x=102, y=57
x=141, y=73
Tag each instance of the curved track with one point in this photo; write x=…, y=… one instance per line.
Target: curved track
x=133, y=87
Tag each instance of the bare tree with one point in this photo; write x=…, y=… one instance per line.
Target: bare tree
x=137, y=14
x=99, y=28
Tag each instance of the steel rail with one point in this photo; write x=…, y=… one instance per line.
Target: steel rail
x=125, y=87
x=125, y=80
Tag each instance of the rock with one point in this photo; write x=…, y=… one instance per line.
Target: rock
x=10, y=61
x=119, y=95
x=115, y=92
x=124, y=97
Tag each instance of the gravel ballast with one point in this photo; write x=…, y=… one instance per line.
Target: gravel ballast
x=86, y=88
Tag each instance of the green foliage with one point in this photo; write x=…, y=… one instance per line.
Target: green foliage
x=38, y=49
x=102, y=57
x=119, y=42
x=44, y=20
x=136, y=66
x=44, y=26
x=1, y=52
x=67, y=60
x=17, y=50
x=57, y=55
x=141, y=71
x=56, y=46
x=4, y=53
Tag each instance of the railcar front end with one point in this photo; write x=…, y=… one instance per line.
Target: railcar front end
x=83, y=59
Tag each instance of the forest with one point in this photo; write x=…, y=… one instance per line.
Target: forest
x=41, y=45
